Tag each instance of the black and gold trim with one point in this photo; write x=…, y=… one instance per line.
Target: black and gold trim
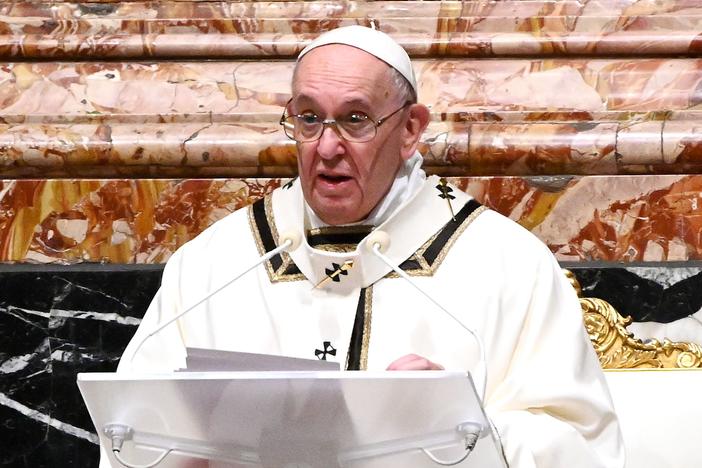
x=280, y=267
x=357, y=356
x=424, y=262
x=427, y=259
x=342, y=239
x=289, y=184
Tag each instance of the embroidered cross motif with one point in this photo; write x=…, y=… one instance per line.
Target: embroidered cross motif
x=334, y=273
x=327, y=348
x=289, y=184
x=445, y=193
x=445, y=190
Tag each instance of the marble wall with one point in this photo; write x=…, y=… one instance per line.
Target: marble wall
x=109, y=28
x=126, y=128
x=204, y=119
x=641, y=218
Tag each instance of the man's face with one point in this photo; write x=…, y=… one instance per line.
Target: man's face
x=343, y=181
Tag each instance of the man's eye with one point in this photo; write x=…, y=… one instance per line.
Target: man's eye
x=308, y=118
x=356, y=117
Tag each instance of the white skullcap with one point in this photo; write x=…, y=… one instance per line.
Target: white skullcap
x=375, y=42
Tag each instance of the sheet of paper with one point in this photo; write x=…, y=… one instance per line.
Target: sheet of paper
x=212, y=360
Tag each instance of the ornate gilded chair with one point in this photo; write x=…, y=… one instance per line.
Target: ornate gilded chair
x=618, y=348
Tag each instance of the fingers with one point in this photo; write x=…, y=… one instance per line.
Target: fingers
x=413, y=362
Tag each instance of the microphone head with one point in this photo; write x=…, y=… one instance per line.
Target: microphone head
x=292, y=237
x=379, y=238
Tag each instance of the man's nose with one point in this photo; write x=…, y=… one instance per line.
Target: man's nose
x=330, y=142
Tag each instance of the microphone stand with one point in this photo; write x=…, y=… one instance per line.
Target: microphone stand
x=289, y=241
x=119, y=433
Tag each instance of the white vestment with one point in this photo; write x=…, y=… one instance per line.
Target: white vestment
x=546, y=393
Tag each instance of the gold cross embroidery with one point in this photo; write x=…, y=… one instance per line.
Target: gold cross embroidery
x=333, y=274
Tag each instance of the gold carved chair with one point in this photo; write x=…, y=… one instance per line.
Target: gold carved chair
x=617, y=348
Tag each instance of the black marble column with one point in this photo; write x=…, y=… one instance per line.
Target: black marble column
x=54, y=323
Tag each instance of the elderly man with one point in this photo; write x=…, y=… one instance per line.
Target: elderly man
x=356, y=121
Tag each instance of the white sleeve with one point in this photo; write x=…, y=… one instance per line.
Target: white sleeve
x=553, y=408
x=165, y=350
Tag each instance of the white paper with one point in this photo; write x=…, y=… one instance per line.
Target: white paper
x=212, y=360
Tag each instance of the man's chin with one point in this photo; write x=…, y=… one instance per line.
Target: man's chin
x=336, y=212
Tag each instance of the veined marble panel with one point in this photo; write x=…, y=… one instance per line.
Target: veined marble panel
x=54, y=324
x=120, y=221
x=262, y=149
x=260, y=29
x=178, y=119
x=240, y=149
x=649, y=218
x=255, y=91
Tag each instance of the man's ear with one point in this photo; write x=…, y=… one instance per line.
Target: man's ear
x=416, y=123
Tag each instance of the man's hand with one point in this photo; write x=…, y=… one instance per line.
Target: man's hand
x=414, y=362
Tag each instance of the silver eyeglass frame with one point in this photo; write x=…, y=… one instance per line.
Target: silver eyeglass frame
x=288, y=125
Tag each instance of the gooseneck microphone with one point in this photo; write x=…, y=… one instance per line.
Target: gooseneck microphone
x=379, y=241
x=118, y=433
x=288, y=241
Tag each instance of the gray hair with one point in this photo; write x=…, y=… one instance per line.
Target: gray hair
x=404, y=89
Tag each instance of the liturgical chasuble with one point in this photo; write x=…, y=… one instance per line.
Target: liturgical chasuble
x=333, y=299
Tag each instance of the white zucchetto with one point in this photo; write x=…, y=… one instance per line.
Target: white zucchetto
x=372, y=41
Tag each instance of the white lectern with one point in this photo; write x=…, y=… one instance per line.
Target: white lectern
x=296, y=419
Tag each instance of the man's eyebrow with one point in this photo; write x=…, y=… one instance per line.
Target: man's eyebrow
x=349, y=102
x=303, y=97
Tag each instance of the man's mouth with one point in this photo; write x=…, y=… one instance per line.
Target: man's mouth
x=334, y=184
x=334, y=179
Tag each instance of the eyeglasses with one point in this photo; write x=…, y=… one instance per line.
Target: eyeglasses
x=355, y=127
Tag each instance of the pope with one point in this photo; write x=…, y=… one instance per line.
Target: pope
x=356, y=122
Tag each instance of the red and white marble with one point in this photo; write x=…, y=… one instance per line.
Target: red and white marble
x=595, y=218
x=195, y=119
x=138, y=29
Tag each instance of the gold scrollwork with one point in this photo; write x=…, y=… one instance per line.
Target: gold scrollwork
x=617, y=348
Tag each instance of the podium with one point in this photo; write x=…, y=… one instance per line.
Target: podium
x=296, y=419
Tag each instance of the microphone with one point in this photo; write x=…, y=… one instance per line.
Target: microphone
x=288, y=241
x=378, y=242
